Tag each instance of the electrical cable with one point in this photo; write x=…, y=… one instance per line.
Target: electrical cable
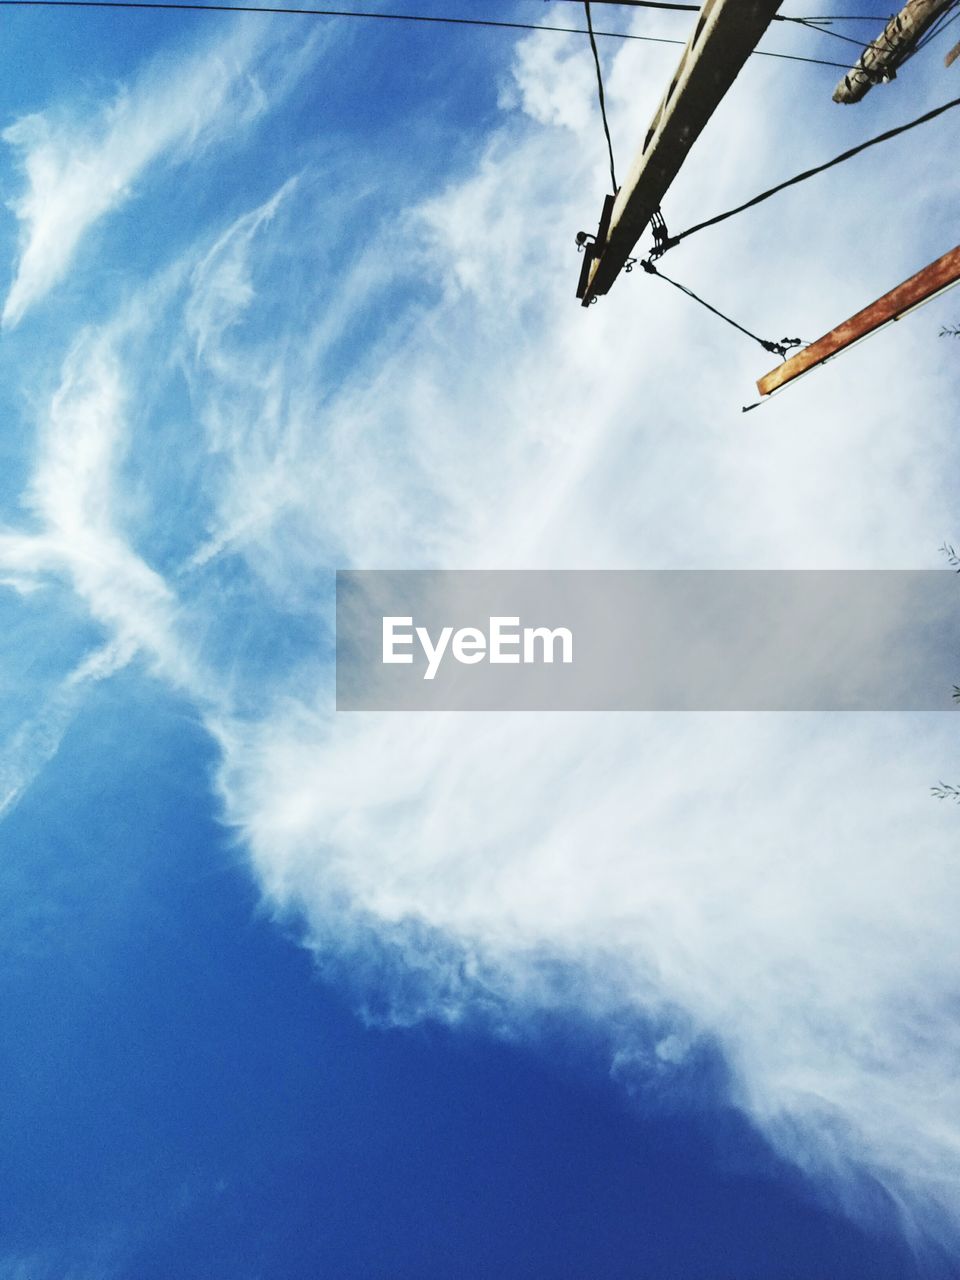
x=672, y=241
x=948, y=16
x=776, y=348
x=169, y=5
x=603, y=104
x=695, y=8
x=837, y=35
x=894, y=58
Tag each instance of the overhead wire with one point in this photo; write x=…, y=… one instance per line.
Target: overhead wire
x=695, y=8
x=663, y=241
x=603, y=104
x=671, y=241
x=199, y=6
x=821, y=25
x=775, y=348
x=811, y=25
x=945, y=19
x=893, y=53
x=660, y=228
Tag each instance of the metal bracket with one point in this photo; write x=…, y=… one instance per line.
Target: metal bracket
x=593, y=250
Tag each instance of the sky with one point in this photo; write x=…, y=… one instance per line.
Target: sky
x=292, y=993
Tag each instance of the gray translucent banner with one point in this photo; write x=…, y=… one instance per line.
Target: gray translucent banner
x=644, y=640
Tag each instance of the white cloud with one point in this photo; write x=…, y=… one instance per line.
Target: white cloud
x=783, y=888
x=37, y=740
x=73, y=494
x=79, y=169
x=222, y=288
x=80, y=516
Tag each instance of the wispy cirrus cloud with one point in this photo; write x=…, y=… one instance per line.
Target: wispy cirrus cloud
x=77, y=534
x=74, y=496
x=780, y=890
x=37, y=740
x=81, y=164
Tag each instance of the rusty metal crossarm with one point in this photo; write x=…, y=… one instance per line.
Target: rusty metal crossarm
x=921, y=288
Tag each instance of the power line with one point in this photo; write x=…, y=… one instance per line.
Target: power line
x=670, y=241
x=946, y=19
x=766, y=53
x=695, y=8
x=812, y=24
x=168, y=5
x=904, y=35
x=775, y=348
x=650, y=4
x=603, y=105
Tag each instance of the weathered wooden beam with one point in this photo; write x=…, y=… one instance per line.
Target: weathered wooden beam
x=880, y=59
x=920, y=288
x=726, y=33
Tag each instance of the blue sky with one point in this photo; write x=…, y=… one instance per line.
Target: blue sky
x=184, y=1097
x=291, y=994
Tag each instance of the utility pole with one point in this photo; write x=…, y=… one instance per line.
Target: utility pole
x=927, y=284
x=880, y=59
x=726, y=33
